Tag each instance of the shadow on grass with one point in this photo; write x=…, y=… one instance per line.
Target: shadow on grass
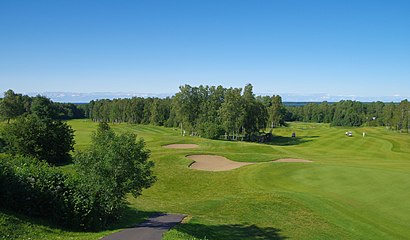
x=130, y=218
x=229, y=232
x=289, y=141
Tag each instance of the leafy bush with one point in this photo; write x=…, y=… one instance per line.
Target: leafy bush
x=41, y=138
x=92, y=197
x=35, y=189
x=2, y=145
x=115, y=166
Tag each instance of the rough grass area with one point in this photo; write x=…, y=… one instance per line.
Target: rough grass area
x=13, y=226
x=357, y=188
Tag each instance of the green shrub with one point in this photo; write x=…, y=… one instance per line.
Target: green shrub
x=41, y=138
x=33, y=188
x=2, y=145
x=92, y=197
x=114, y=166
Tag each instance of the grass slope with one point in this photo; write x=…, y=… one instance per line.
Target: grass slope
x=356, y=188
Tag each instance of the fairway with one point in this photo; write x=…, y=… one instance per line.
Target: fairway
x=354, y=188
x=357, y=187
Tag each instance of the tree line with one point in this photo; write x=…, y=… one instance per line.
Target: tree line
x=14, y=104
x=208, y=111
x=395, y=116
x=216, y=112
x=138, y=110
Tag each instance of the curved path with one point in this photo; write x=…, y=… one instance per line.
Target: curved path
x=152, y=229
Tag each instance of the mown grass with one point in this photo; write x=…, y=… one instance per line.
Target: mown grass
x=356, y=188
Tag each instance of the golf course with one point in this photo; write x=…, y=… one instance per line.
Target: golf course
x=354, y=187
x=204, y=120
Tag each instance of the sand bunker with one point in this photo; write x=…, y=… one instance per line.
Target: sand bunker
x=181, y=146
x=219, y=163
x=214, y=163
x=292, y=160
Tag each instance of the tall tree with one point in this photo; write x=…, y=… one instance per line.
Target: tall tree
x=255, y=115
x=187, y=106
x=401, y=116
x=41, y=138
x=276, y=112
x=12, y=105
x=232, y=111
x=209, y=123
x=115, y=165
x=43, y=107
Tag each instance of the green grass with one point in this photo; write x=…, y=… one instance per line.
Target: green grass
x=356, y=188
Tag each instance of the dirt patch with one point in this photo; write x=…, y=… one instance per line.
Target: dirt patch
x=181, y=146
x=291, y=160
x=214, y=163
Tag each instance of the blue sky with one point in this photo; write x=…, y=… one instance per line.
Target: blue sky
x=338, y=47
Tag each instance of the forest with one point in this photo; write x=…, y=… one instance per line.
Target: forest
x=208, y=111
x=217, y=112
x=16, y=104
x=394, y=116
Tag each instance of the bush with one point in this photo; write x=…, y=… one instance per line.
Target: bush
x=2, y=145
x=33, y=188
x=41, y=138
x=92, y=197
x=115, y=166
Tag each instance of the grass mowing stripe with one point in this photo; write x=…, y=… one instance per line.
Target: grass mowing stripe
x=356, y=188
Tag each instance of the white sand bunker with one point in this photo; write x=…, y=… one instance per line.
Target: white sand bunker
x=291, y=160
x=214, y=163
x=181, y=146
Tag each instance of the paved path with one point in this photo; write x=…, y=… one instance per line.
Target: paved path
x=152, y=229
